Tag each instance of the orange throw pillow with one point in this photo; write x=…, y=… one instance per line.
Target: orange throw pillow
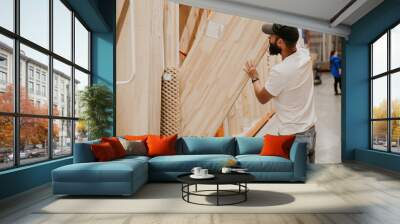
x=277, y=145
x=161, y=145
x=136, y=137
x=116, y=145
x=103, y=152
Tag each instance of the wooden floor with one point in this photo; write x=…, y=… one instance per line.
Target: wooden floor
x=378, y=189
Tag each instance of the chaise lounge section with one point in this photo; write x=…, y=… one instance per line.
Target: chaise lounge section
x=125, y=176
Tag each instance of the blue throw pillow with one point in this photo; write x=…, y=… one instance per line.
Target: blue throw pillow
x=249, y=145
x=206, y=145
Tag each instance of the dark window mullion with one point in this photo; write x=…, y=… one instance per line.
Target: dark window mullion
x=73, y=81
x=16, y=69
x=50, y=79
x=371, y=137
x=389, y=102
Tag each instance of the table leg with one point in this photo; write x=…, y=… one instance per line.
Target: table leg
x=196, y=187
x=217, y=194
x=245, y=193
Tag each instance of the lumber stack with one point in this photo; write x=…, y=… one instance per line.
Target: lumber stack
x=140, y=52
x=212, y=75
x=247, y=113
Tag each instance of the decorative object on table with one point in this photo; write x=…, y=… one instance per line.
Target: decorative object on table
x=96, y=102
x=239, y=195
x=200, y=173
x=231, y=163
x=196, y=170
x=230, y=170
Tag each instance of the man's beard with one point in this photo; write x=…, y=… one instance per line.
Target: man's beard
x=274, y=49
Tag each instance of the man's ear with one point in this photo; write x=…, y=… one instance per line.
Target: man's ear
x=280, y=43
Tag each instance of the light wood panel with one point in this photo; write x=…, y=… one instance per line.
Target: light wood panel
x=247, y=111
x=140, y=51
x=189, y=31
x=171, y=34
x=212, y=75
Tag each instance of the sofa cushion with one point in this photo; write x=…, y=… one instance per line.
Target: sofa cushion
x=206, y=145
x=103, y=152
x=185, y=163
x=257, y=163
x=277, y=145
x=112, y=171
x=249, y=145
x=134, y=147
x=116, y=145
x=161, y=145
x=83, y=152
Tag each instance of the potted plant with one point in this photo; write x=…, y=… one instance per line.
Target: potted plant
x=96, y=103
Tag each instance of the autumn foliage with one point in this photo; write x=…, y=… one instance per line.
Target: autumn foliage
x=33, y=131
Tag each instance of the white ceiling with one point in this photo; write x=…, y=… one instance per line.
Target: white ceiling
x=321, y=9
x=308, y=14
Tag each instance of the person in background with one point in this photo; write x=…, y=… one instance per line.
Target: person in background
x=335, y=66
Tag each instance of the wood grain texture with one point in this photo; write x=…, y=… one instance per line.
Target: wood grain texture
x=247, y=112
x=122, y=17
x=189, y=31
x=212, y=75
x=171, y=34
x=140, y=51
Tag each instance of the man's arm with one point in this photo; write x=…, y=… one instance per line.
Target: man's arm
x=261, y=93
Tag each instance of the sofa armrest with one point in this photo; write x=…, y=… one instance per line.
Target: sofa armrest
x=83, y=152
x=298, y=155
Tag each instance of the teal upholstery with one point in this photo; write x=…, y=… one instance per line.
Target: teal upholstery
x=257, y=163
x=126, y=175
x=119, y=177
x=184, y=163
x=298, y=155
x=83, y=152
x=249, y=145
x=206, y=145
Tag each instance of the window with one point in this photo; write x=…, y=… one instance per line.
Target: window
x=62, y=31
x=30, y=72
x=45, y=119
x=6, y=73
x=81, y=45
x=3, y=78
x=30, y=87
x=7, y=14
x=385, y=94
x=62, y=74
x=35, y=21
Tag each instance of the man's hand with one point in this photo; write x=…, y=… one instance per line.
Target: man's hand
x=250, y=69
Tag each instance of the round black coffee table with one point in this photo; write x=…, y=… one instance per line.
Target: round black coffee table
x=238, y=179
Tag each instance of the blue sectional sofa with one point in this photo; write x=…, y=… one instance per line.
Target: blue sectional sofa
x=125, y=176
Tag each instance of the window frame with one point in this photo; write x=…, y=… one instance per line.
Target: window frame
x=388, y=74
x=16, y=115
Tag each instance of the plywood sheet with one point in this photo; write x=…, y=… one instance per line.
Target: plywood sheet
x=212, y=75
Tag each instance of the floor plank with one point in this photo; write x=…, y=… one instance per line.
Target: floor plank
x=376, y=189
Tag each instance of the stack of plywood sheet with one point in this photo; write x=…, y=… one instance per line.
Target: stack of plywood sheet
x=247, y=112
x=140, y=54
x=212, y=76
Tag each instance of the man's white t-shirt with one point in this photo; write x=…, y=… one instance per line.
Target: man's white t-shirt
x=291, y=82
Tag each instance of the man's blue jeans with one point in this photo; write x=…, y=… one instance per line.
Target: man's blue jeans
x=308, y=137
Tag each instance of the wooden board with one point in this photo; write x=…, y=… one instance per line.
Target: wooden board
x=247, y=113
x=140, y=51
x=171, y=34
x=212, y=75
